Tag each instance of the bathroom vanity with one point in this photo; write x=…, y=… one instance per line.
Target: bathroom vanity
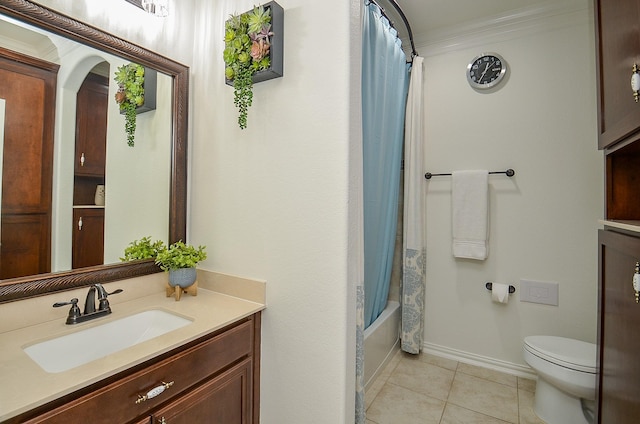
x=618, y=68
x=211, y=380
x=206, y=371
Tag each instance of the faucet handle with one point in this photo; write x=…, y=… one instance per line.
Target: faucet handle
x=74, y=312
x=102, y=297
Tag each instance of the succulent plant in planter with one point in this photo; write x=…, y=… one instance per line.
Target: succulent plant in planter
x=143, y=249
x=247, y=41
x=180, y=259
x=130, y=95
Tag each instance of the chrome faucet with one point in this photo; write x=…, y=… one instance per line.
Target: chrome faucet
x=75, y=316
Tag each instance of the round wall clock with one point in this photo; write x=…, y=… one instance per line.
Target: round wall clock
x=486, y=70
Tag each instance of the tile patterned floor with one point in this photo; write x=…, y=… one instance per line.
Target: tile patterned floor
x=427, y=389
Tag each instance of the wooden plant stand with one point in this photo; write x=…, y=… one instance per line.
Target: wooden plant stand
x=177, y=290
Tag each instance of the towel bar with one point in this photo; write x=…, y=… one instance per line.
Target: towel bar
x=489, y=286
x=509, y=172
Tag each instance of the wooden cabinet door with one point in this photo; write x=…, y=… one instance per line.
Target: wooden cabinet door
x=618, y=48
x=91, y=126
x=26, y=243
x=28, y=86
x=225, y=399
x=618, y=331
x=88, y=237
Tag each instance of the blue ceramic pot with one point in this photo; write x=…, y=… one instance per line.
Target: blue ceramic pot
x=183, y=277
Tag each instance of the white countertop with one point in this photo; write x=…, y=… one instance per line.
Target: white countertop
x=24, y=385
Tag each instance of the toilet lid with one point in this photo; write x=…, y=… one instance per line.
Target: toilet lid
x=568, y=353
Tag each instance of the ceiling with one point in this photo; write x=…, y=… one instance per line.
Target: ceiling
x=429, y=15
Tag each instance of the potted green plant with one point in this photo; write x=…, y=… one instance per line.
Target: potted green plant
x=143, y=249
x=130, y=95
x=180, y=261
x=247, y=41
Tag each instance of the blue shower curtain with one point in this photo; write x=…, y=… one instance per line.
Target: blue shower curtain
x=384, y=92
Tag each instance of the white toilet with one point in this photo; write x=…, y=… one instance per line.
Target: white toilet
x=566, y=387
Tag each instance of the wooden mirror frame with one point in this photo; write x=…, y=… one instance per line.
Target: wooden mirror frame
x=37, y=285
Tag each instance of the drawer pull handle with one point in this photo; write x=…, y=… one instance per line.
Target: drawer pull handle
x=636, y=282
x=635, y=82
x=154, y=392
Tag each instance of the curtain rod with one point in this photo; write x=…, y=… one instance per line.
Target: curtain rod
x=396, y=6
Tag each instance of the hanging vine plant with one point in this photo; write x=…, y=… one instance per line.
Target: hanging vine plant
x=130, y=95
x=247, y=41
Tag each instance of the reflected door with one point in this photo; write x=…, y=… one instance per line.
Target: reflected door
x=28, y=87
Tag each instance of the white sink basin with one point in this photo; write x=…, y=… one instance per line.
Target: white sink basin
x=83, y=346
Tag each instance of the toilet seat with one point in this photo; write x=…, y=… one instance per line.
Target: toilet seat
x=568, y=353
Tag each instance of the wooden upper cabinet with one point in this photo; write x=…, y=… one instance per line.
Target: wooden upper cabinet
x=618, y=48
x=91, y=126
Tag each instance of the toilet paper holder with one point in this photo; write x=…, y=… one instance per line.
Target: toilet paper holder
x=489, y=286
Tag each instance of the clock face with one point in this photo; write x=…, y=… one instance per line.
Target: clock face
x=486, y=70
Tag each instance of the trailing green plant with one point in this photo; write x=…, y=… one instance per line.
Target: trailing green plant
x=143, y=249
x=180, y=255
x=130, y=95
x=247, y=42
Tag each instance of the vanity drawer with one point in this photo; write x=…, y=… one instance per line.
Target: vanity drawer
x=116, y=402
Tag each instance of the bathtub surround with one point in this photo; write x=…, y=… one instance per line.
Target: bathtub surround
x=381, y=342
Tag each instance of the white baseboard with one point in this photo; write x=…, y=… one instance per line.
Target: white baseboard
x=479, y=360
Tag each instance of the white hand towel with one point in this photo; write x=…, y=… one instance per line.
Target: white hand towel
x=470, y=204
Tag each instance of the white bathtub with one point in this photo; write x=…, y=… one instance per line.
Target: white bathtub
x=381, y=341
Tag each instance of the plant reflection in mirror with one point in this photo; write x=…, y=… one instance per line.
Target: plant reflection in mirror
x=130, y=95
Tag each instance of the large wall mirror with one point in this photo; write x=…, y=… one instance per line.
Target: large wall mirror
x=145, y=185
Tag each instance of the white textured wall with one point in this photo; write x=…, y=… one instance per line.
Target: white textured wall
x=271, y=202
x=543, y=222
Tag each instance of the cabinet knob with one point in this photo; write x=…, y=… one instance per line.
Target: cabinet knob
x=82, y=158
x=80, y=224
x=154, y=392
x=636, y=282
x=163, y=421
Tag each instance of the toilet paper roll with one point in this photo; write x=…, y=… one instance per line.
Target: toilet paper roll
x=500, y=293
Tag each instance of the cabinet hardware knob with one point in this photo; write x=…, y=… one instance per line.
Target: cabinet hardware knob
x=82, y=159
x=163, y=421
x=154, y=392
x=80, y=224
x=636, y=282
